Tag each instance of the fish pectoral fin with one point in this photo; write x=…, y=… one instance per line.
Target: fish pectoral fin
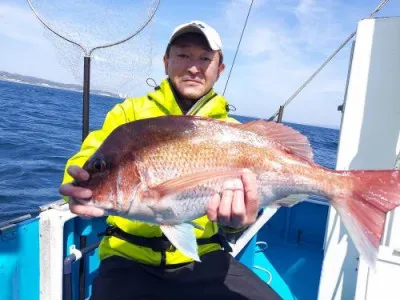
x=187, y=182
x=183, y=238
x=290, y=200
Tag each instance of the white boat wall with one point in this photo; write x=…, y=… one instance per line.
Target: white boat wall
x=369, y=139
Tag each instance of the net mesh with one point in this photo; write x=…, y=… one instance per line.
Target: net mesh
x=119, y=69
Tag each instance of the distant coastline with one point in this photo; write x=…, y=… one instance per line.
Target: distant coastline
x=22, y=79
x=18, y=78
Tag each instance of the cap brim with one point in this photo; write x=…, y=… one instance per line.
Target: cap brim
x=194, y=29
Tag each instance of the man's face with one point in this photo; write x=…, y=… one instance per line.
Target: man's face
x=192, y=66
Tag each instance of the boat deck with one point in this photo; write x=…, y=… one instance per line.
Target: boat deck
x=286, y=252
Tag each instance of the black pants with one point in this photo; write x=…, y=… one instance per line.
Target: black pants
x=219, y=276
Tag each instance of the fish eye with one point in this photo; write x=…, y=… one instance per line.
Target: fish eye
x=99, y=165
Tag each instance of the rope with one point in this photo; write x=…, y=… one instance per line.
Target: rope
x=151, y=82
x=237, y=48
x=266, y=271
x=262, y=249
x=290, y=99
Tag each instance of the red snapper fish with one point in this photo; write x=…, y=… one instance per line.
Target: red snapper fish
x=164, y=171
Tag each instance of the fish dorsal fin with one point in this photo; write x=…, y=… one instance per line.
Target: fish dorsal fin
x=284, y=135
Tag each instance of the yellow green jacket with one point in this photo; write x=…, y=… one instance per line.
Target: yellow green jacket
x=159, y=102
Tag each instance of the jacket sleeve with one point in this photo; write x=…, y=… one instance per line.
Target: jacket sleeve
x=115, y=117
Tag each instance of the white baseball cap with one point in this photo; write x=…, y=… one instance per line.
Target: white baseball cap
x=209, y=33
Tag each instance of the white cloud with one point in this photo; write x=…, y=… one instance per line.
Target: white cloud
x=24, y=49
x=19, y=24
x=284, y=43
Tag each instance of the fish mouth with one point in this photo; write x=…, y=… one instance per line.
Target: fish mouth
x=83, y=184
x=92, y=181
x=85, y=202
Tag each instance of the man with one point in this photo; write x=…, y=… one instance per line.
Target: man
x=136, y=260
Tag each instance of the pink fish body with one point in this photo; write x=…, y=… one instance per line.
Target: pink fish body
x=164, y=171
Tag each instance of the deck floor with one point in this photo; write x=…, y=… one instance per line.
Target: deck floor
x=293, y=270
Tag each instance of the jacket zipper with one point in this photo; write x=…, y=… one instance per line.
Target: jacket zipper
x=199, y=105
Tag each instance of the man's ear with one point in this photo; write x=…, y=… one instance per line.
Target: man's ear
x=221, y=68
x=165, y=59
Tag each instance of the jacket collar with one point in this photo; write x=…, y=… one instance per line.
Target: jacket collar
x=210, y=105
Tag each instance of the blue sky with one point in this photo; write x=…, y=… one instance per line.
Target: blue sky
x=285, y=41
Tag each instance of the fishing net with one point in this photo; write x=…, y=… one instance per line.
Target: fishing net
x=85, y=25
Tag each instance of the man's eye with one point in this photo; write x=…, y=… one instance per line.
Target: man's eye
x=204, y=58
x=183, y=56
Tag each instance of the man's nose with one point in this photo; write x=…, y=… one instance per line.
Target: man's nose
x=193, y=68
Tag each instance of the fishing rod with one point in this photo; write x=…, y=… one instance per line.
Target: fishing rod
x=238, y=46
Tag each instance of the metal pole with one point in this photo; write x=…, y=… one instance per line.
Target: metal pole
x=85, y=132
x=86, y=97
x=280, y=114
x=67, y=270
x=82, y=266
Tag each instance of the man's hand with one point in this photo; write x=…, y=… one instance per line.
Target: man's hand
x=76, y=192
x=239, y=203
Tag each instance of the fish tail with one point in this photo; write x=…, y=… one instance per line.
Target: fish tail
x=363, y=210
